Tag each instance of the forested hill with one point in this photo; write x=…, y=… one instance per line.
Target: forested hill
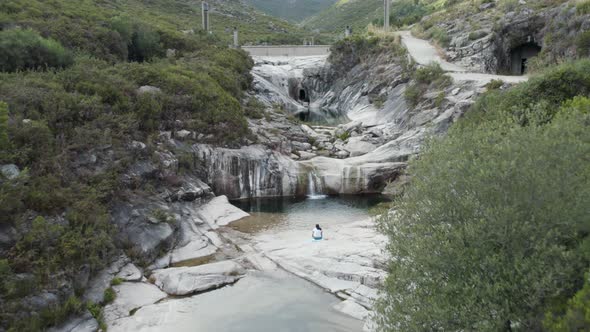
x=86, y=89
x=81, y=23
x=292, y=10
x=354, y=13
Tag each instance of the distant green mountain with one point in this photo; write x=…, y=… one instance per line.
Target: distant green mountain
x=355, y=13
x=292, y=10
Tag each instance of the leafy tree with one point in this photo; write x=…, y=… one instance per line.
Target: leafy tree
x=25, y=49
x=490, y=228
x=577, y=313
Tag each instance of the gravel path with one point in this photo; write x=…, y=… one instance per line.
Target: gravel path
x=425, y=53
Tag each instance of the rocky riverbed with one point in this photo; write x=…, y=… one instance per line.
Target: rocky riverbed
x=183, y=249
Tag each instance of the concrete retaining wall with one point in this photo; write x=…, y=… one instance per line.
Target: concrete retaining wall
x=287, y=50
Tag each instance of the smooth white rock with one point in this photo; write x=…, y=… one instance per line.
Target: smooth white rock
x=131, y=295
x=187, y=280
x=351, y=308
x=130, y=272
x=219, y=212
x=358, y=147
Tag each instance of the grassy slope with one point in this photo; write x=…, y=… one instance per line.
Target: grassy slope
x=293, y=10
x=93, y=107
x=356, y=13
x=166, y=15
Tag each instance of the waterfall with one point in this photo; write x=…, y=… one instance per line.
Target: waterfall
x=314, y=186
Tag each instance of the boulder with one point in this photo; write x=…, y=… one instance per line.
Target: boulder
x=342, y=154
x=219, y=212
x=304, y=155
x=148, y=89
x=306, y=129
x=136, y=145
x=130, y=272
x=102, y=280
x=356, y=146
x=10, y=171
x=188, y=280
x=300, y=146
x=130, y=296
x=182, y=134
x=82, y=323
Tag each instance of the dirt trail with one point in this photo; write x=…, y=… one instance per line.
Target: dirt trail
x=425, y=53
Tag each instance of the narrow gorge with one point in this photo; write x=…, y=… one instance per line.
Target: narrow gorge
x=333, y=127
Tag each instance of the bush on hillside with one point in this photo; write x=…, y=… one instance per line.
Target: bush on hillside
x=541, y=94
x=4, y=143
x=26, y=49
x=142, y=42
x=404, y=13
x=425, y=78
x=583, y=44
x=575, y=315
x=489, y=231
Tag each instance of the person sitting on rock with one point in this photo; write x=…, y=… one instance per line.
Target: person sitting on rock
x=317, y=233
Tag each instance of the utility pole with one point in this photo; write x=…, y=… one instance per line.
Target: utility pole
x=386, y=18
x=205, y=13
x=236, y=43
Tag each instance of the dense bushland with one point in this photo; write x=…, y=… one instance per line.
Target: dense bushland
x=70, y=93
x=493, y=232
x=25, y=49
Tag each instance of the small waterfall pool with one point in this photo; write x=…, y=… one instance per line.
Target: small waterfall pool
x=266, y=301
x=283, y=214
x=323, y=117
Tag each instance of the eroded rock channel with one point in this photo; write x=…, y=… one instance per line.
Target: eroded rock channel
x=208, y=264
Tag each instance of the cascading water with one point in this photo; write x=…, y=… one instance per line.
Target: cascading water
x=314, y=186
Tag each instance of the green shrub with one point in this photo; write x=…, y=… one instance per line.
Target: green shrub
x=440, y=36
x=96, y=310
x=344, y=136
x=494, y=84
x=488, y=232
x=429, y=73
x=583, y=43
x=425, y=78
x=4, y=144
x=402, y=13
x=413, y=94
x=577, y=313
x=548, y=89
x=254, y=109
x=25, y=49
x=583, y=7
x=116, y=281
x=109, y=296
x=508, y=5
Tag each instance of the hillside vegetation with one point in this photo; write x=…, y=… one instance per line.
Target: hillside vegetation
x=492, y=234
x=85, y=23
x=86, y=88
x=292, y=10
x=354, y=13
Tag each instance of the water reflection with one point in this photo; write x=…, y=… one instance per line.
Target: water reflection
x=279, y=214
x=323, y=117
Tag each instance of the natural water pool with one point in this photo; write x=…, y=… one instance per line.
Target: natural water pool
x=282, y=214
x=266, y=300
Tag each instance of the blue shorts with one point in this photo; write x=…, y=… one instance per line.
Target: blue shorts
x=318, y=238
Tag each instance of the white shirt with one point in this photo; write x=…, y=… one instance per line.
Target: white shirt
x=316, y=233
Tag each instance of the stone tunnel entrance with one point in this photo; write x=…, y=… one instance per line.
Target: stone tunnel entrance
x=520, y=55
x=303, y=96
